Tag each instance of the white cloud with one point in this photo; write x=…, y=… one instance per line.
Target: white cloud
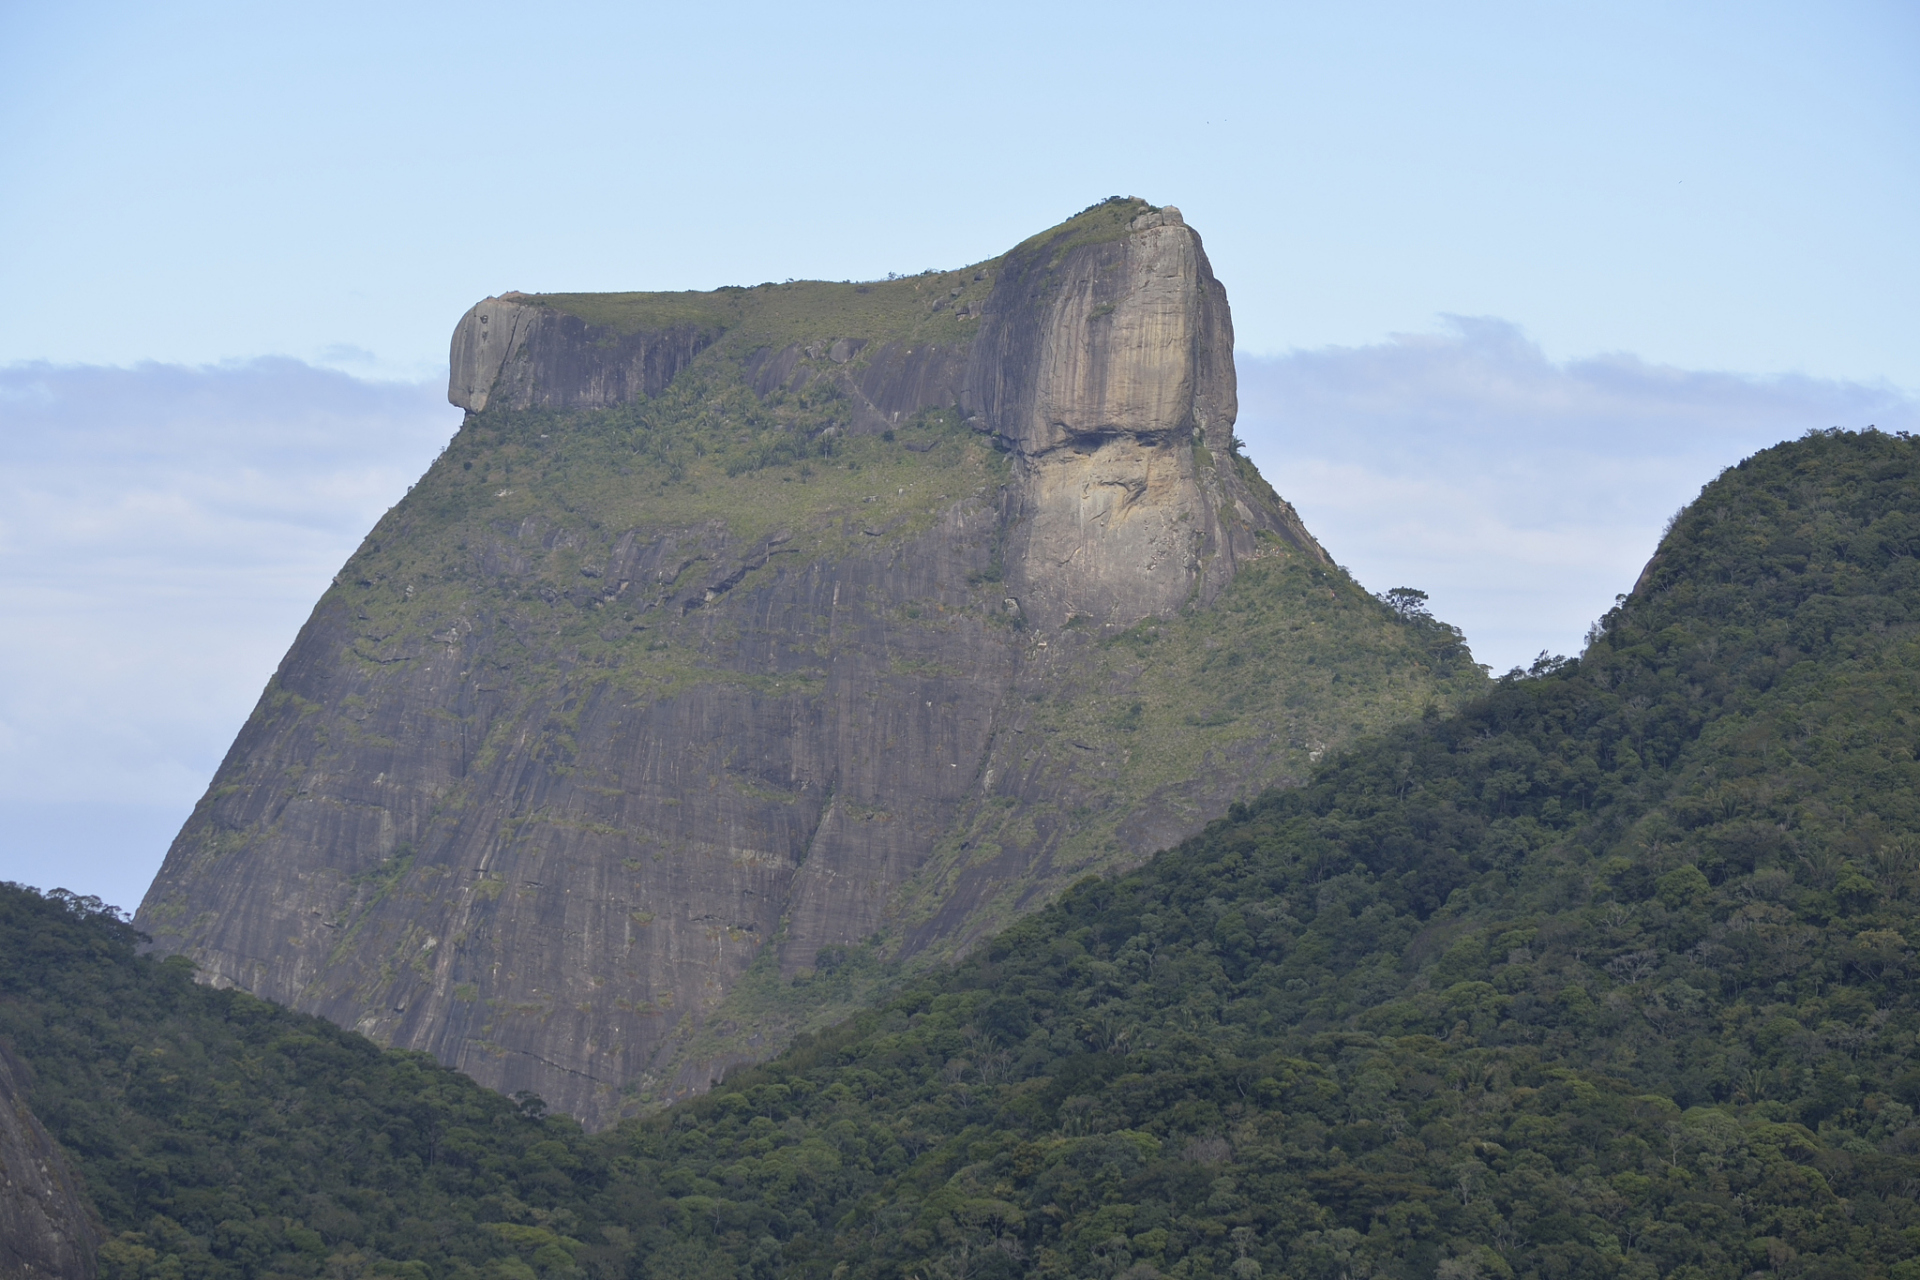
x=163, y=533
x=165, y=530
x=1521, y=493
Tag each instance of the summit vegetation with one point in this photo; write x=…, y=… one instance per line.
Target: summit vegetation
x=1607, y=973
x=929, y=306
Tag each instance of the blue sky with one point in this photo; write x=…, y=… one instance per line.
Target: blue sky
x=1511, y=280
x=1709, y=185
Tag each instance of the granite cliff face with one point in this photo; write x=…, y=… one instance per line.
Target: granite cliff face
x=47, y=1226
x=745, y=646
x=514, y=354
x=1103, y=378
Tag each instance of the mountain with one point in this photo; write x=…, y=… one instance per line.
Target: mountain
x=1609, y=974
x=746, y=649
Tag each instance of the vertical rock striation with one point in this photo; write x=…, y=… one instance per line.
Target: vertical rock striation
x=743, y=639
x=512, y=354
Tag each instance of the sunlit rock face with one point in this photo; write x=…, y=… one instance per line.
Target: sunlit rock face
x=1109, y=369
x=589, y=728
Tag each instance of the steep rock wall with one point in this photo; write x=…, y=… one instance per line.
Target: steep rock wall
x=1108, y=368
x=623, y=720
x=515, y=354
x=557, y=913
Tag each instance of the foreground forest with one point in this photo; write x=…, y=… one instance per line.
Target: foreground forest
x=1608, y=974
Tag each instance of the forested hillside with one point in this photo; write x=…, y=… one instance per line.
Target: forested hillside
x=1608, y=975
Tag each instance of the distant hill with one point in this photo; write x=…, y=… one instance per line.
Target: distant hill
x=746, y=635
x=1607, y=974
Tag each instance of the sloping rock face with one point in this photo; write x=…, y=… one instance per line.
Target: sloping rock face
x=742, y=645
x=47, y=1226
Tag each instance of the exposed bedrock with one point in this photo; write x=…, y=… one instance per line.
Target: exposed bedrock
x=1109, y=369
x=511, y=353
x=560, y=908
x=563, y=753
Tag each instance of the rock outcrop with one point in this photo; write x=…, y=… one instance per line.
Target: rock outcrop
x=513, y=353
x=1110, y=372
x=742, y=645
x=47, y=1225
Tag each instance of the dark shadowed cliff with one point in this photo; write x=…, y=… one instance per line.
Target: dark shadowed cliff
x=745, y=645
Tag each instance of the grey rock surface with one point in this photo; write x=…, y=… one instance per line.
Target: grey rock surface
x=515, y=354
x=1104, y=372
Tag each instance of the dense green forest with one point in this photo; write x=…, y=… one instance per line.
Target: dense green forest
x=1608, y=974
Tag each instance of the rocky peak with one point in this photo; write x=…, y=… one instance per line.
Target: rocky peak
x=1106, y=362
x=1085, y=342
